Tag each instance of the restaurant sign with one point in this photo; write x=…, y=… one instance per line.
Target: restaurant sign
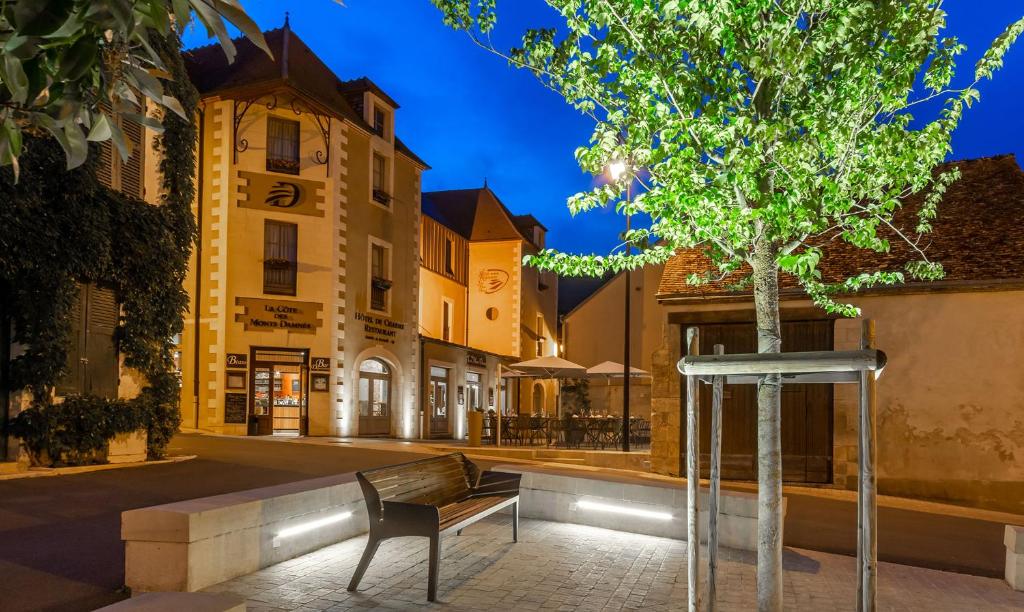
x=280, y=194
x=287, y=315
x=237, y=360
x=476, y=359
x=320, y=364
x=379, y=329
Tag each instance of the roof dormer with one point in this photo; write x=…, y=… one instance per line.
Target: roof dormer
x=376, y=107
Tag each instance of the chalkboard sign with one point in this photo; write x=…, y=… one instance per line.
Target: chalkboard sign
x=235, y=407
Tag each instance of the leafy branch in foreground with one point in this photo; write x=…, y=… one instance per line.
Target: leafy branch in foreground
x=765, y=128
x=71, y=67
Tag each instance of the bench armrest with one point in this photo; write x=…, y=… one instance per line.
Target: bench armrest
x=496, y=483
x=403, y=512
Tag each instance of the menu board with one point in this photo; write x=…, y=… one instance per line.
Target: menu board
x=235, y=407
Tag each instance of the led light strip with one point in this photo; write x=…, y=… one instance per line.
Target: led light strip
x=301, y=528
x=600, y=507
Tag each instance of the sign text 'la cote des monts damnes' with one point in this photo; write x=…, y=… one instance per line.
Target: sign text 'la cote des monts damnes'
x=280, y=194
x=378, y=328
x=287, y=315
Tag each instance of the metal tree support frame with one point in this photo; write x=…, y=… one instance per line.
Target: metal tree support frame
x=827, y=367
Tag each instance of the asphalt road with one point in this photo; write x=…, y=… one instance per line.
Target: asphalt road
x=60, y=546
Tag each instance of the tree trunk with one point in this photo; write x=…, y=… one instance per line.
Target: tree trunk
x=769, y=439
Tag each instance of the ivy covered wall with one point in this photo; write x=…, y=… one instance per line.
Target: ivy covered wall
x=59, y=228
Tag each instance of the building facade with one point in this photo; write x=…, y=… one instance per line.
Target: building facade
x=304, y=282
x=950, y=407
x=481, y=310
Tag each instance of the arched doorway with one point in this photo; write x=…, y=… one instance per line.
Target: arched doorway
x=374, y=398
x=538, y=398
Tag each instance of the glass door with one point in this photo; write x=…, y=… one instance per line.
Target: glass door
x=438, y=401
x=288, y=398
x=374, y=398
x=262, y=391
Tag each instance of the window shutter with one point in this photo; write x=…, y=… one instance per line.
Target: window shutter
x=71, y=382
x=101, y=323
x=105, y=164
x=132, y=181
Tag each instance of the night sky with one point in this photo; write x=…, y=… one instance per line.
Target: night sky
x=471, y=116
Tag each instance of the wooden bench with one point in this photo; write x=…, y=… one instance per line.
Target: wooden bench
x=430, y=498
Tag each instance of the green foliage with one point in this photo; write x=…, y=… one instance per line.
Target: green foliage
x=765, y=128
x=576, y=396
x=60, y=228
x=76, y=431
x=61, y=59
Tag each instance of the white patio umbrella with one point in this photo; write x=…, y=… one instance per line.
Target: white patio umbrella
x=611, y=369
x=551, y=367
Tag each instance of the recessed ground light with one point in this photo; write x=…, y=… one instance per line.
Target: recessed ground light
x=601, y=507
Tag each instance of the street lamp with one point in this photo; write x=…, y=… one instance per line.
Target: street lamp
x=616, y=170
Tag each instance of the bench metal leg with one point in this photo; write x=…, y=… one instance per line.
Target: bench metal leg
x=364, y=562
x=435, y=560
x=515, y=522
x=459, y=532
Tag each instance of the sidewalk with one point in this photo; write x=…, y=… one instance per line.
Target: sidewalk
x=557, y=566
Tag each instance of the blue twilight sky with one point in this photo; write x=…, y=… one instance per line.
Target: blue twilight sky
x=470, y=115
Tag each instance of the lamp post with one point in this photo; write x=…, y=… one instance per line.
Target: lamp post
x=616, y=170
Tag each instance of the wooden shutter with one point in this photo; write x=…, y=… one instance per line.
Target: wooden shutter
x=101, y=323
x=132, y=179
x=72, y=381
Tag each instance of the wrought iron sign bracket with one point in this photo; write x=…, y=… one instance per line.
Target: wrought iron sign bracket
x=241, y=107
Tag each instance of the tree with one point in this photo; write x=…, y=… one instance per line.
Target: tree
x=70, y=67
x=764, y=128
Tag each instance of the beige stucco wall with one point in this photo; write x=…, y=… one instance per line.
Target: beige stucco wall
x=950, y=400
x=333, y=270
x=434, y=290
x=487, y=259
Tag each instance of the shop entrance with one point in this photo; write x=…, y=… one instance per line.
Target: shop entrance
x=280, y=391
x=438, y=402
x=374, y=398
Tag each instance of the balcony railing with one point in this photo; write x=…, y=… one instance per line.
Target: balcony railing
x=279, y=276
x=286, y=166
x=379, y=293
x=382, y=197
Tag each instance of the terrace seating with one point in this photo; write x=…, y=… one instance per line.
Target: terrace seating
x=430, y=498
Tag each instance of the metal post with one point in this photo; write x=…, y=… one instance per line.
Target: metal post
x=867, y=546
x=692, y=477
x=716, y=480
x=500, y=404
x=627, y=342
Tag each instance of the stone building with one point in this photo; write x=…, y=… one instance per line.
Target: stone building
x=304, y=282
x=481, y=309
x=950, y=400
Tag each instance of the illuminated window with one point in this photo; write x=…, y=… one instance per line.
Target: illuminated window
x=282, y=145
x=280, y=257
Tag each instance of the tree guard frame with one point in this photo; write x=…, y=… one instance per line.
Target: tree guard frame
x=861, y=367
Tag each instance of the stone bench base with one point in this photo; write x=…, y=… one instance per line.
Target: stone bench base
x=177, y=602
x=1013, y=538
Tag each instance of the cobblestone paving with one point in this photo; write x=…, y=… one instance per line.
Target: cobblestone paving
x=563, y=567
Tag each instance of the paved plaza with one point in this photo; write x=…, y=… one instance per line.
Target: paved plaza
x=557, y=566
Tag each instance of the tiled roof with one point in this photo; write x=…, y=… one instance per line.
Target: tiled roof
x=294, y=65
x=978, y=237
x=457, y=210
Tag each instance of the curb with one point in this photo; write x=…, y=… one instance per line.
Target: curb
x=43, y=472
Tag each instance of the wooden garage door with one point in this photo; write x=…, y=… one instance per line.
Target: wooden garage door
x=806, y=409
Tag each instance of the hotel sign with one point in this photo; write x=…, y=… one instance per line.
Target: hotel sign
x=271, y=315
x=277, y=193
x=379, y=329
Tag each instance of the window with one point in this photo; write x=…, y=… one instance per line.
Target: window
x=540, y=335
x=282, y=145
x=379, y=122
x=280, y=257
x=379, y=281
x=380, y=180
x=92, y=363
x=446, y=320
x=449, y=256
x=473, y=394
x=115, y=173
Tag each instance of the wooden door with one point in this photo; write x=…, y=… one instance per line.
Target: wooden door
x=374, y=399
x=806, y=409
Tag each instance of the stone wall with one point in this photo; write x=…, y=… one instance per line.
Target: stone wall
x=665, y=401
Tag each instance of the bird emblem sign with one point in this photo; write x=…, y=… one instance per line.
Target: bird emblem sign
x=284, y=194
x=492, y=280
x=274, y=193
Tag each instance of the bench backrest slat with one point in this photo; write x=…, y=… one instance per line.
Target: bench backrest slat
x=436, y=481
